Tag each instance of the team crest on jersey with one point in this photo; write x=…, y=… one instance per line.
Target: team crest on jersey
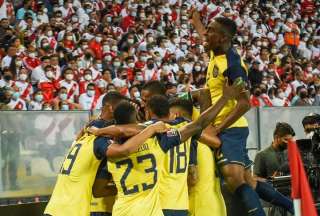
x=172, y=133
x=215, y=71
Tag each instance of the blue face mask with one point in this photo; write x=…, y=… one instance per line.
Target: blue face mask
x=65, y=107
x=63, y=96
x=90, y=93
x=16, y=95
x=38, y=98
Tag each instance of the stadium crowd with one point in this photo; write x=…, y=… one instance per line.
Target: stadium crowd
x=65, y=55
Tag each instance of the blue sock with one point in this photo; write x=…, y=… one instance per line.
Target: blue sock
x=250, y=199
x=269, y=194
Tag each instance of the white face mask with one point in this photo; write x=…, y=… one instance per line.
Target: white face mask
x=88, y=77
x=90, y=93
x=69, y=76
x=131, y=65
x=49, y=74
x=137, y=94
x=23, y=77
x=32, y=55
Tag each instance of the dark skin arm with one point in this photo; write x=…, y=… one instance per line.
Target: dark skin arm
x=243, y=106
x=207, y=116
x=132, y=144
x=103, y=188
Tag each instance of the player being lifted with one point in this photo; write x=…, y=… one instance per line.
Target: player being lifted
x=130, y=204
x=226, y=64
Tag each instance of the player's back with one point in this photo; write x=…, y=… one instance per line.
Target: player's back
x=205, y=197
x=173, y=181
x=72, y=193
x=136, y=179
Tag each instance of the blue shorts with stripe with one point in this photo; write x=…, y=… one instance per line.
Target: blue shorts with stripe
x=170, y=212
x=233, y=149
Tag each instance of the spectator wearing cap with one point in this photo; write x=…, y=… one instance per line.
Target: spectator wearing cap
x=36, y=101
x=70, y=84
x=89, y=99
x=48, y=85
x=23, y=85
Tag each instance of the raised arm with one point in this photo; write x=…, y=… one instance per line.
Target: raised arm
x=132, y=145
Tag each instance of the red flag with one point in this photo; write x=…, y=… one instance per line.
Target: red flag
x=300, y=188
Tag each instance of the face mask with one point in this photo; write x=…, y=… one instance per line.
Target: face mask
x=65, y=107
x=38, y=98
x=130, y=41
x=63, y=96
x=88, y=77
x=69, y=76
x=90, y=93
x=282, y=146
x=69, y=38
x=74, y=19
x=176, y=40
x=184, y=47
x=7, y=77
x=49, y=33
x=106, y=48
x=116, y=64
x=49, y=74
x=137, y=94
x=114, y=48
x=98, y=39
x=131, y=65
x=150, y=66
x=144, y=58
x=197, y=68
x=23, y=77
x=16, y=95
x=32, y=55
x=139, y=78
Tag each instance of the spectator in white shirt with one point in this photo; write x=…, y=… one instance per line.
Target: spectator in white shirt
x=89, y=99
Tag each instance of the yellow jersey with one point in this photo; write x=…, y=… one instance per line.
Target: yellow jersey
x=136, y=176
x=73, y=190
x=205, y=197
x=229, y=66
x=173, y=181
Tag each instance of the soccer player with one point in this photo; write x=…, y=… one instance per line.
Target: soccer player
x=226, y=64
x=73, y=190
x=205, y=197
x=173, y=191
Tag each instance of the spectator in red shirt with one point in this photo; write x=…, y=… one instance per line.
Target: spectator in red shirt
x=48, y=85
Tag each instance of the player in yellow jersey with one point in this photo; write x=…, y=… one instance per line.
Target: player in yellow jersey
x=73, y=190
x=205, y=197
x=232, y=127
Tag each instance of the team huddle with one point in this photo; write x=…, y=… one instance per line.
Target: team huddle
x=160, y=159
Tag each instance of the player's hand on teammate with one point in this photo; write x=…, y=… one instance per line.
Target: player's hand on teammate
x=93, y=130
x=233, y=91
x=159, y=127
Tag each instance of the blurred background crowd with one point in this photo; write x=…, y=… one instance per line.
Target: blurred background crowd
x=66, y=54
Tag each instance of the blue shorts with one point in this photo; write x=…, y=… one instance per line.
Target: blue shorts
x=169, y=212
x=233, y=149
x=100, y=214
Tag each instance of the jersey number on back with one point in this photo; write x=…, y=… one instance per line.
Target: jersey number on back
x=129, y=164
x=72, y=157
x=180, y=155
